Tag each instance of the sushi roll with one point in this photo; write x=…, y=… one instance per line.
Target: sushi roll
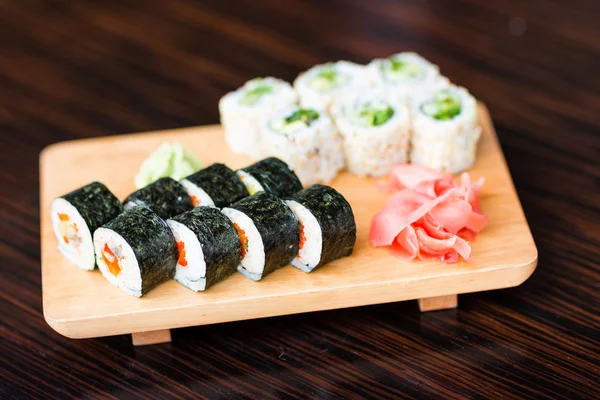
x=214, y=186
x=376, y=131
x=241, y=112
x=166, y=197
x=307, y=140
x=209, y=247
x=136, y=251
x=326, y=224
x=271, y=175
x=321, y=85
x=268, y=234
x=76, y=215
x=445, y=130
x=405, y=75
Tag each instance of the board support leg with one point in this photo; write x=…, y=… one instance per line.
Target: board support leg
x=152, y=337
x=438, y=303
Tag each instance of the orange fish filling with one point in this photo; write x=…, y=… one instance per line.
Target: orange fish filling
x=302, y=236
x=243, y=239
x=113, y=266
x=195, y=201
x=63, y=217
x=181, y=249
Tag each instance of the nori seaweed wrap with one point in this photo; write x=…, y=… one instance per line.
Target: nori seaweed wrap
x=268, y=232
x=75, y=217
x=271, y=175
x=222, y=186
x=166, y=197
x=136, y=251
x=327, y=226
x=209, y=247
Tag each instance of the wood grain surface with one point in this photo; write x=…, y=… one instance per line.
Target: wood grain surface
x=76, y=69
x=503, y=256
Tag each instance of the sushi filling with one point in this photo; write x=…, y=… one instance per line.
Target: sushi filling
x=197, y=194
x=255, y=93
x=311, y=239
x=372, y=114
x=252, y=185
x=296, y=121
x=328, y=78
x=443, y=106
x=398, y=70
x=191, y=265
x=73, y=235
x=117, y=261
x=253, y=251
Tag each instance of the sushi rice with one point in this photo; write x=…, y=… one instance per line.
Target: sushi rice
x=241, y=112
x=197, y=194
x=321, y=85
x=74, y=237
x=376, y=131
x=311, y=238
x=253, y=259
x=445, y=130
x=307, y=140
x=405, y=75
x=193, y=273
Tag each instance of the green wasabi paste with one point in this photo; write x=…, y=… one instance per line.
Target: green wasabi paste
x=168, y=160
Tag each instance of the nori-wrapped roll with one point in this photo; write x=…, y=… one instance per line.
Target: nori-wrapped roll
x=166, y=197
x=136, y=251
x=268, y=232
x=327, y=226
x=271, y=175
x=75, y=217
x=219, y=183
x=209, y=247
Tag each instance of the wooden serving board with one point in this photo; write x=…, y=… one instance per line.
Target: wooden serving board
x=81, y=304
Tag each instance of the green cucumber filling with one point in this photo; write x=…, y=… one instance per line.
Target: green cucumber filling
x=443, y=106
x=297, y=120
x=327, y=79
x=399, y=70
x=252, y=96
x=373, y=114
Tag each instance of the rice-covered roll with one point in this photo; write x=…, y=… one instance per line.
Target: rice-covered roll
x=166, y=197
x=214, y=186
x=209, y=247
x=321, y=85
x=307, y=140
x=242, y=110
x=271, y=175
x=136, y=251
x=445, y=130
x=405, y=75
x=327, y=226
x=268, y=233
x=376, y=131
x=76, y=215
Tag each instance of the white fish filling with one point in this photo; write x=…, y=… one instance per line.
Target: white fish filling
x=192, y=275
x=73, y=234
x=126, y=275
x=250, y=182
x=197, y=194
x=309, y=255
x=253, y=262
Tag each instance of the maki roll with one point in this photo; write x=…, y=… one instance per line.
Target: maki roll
x=215, y=186
x=75, y=217
x=308, y=141
x=405, y=75
x=321, y=85
x=327, y=226
x=270, y=175
x=268, y=234
x=445, y=130
x=166, y=197
x=376, y=131
x=136, y=251
x=209, y=247
x=242, y=110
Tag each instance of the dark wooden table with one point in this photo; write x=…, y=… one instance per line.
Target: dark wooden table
x=74, y=69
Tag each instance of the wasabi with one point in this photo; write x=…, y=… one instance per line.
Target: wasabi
x=169, y=160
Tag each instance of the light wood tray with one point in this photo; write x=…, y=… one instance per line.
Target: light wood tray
x=81, y=304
